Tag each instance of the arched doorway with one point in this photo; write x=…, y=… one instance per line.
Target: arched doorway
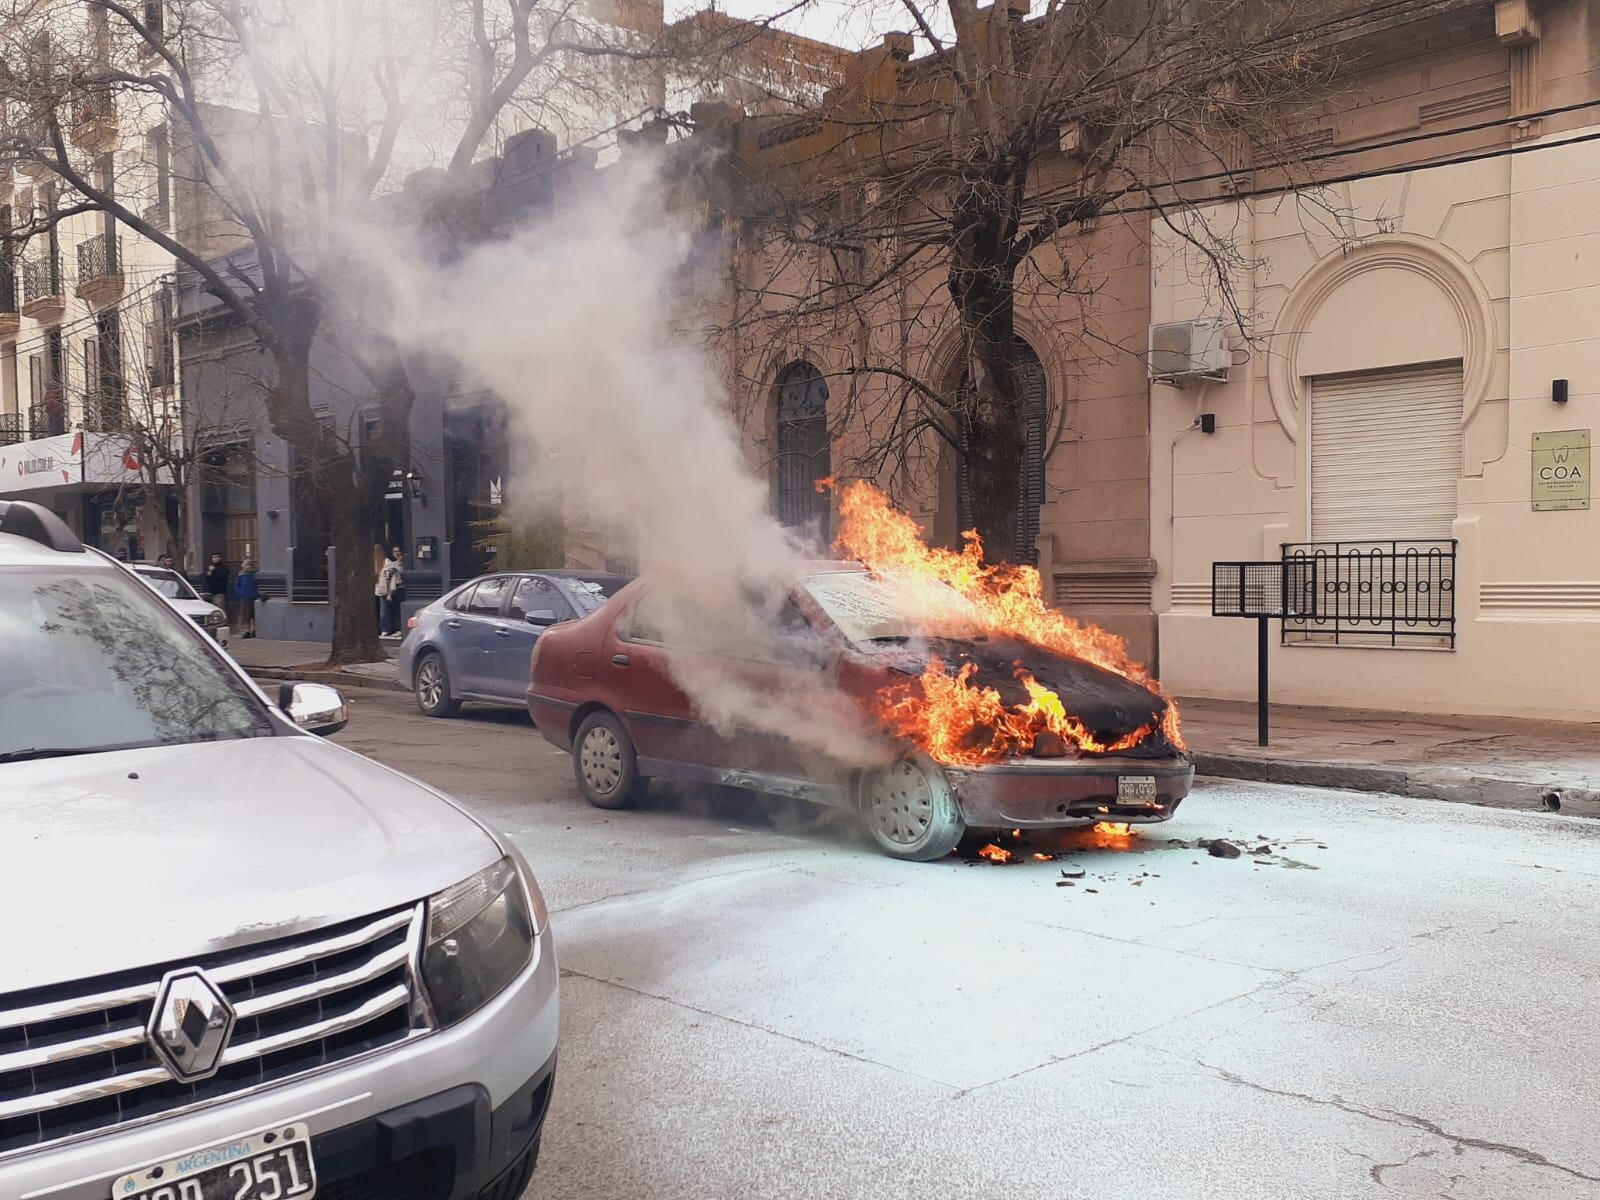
x=955, y=499
x=804, y=452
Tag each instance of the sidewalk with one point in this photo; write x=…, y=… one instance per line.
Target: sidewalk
x=274, y=660
x=1475, y=760
x=1471, y=760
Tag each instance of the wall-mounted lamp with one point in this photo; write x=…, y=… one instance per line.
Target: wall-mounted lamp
x=1208, y=422
x=1558, y=390
x=272, y=514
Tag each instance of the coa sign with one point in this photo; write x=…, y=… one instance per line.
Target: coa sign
x=1561, y=470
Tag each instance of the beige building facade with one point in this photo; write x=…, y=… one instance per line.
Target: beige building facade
x=1407, y=428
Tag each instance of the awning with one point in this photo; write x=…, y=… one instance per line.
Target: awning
x=76, y=461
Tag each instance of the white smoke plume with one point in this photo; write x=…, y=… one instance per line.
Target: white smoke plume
x=570, y=322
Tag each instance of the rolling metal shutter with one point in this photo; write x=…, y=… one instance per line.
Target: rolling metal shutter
x=1385, y=454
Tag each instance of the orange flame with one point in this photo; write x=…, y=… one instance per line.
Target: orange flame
x=995, y=854
x=952, y=720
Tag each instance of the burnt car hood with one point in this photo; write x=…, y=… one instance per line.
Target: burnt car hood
x=1111, y=706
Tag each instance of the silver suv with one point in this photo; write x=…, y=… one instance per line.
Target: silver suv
x=239, y=961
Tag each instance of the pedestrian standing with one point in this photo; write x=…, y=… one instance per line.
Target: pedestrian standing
x=166, y=561
x=393, y=580
x=247, y=591
x=217, y=582
x=380, y=595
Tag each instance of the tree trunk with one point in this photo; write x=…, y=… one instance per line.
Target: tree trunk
x=355, y=620
x=335, y=474
x=990, y=415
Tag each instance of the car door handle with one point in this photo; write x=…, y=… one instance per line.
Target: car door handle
x=502, y=633
x=452, y=624
x=620, y=660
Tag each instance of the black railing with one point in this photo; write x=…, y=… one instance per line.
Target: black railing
x=10, y=429
x=47, y=420
x=90, y=109
x=41, y=277
x=8, y=288
x=104, y=412
x=1388, y=593
x=97, y=257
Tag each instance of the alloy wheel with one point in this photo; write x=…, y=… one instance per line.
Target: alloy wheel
x=430, y=683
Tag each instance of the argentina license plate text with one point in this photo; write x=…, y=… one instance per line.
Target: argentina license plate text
x=274, y=1164
x=1136, y=789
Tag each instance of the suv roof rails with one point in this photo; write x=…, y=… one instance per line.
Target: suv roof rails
x=38, y=524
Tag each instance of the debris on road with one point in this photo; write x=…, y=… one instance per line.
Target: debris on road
x=1220, y=848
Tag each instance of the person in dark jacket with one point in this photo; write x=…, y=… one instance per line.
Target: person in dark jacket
x=217, y=582
x=247, y=592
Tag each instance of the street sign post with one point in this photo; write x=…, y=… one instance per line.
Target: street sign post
x=1263, y=591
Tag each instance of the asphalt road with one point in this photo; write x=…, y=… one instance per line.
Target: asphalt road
x=1397, y=1000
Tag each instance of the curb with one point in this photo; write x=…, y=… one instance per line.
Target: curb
x=1453, y=784
x=336, y=677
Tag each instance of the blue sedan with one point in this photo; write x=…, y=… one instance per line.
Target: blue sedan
x=474, y=643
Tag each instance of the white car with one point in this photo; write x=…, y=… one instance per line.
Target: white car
x=242, y=962
x=178, y=592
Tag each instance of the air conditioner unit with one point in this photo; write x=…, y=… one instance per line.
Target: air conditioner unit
x=1185, y=350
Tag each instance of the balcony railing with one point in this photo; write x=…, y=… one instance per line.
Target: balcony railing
x=98, y=257
x=47, y=420
x=1377, y=593
x=8, y=288
x=104, y=412
x=10, y=429
x=41, y=277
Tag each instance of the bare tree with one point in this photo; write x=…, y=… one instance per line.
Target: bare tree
x=247, y=140
x=922, y=201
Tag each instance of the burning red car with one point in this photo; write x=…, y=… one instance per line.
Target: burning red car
x=984, y=728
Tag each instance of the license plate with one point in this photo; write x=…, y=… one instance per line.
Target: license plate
x=274, y=1164
x=1136, y=789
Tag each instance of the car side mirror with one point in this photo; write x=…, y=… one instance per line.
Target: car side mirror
x=314, y=707
x=541, y=616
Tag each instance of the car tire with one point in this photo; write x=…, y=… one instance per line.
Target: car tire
x=432, y=687
x=911, y=811
x=604, y=763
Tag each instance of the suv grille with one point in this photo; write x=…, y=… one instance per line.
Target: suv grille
x=74, y=1059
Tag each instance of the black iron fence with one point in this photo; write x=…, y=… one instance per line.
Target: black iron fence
x=104, y=412
x=47, y=420
x=97, y=257
x=41, y=276
x=10, y=429
x=1374, y=593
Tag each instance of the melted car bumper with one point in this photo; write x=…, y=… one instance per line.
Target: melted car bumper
x=1047, y=792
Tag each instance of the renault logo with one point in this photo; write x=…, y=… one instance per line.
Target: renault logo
x=191, y=1025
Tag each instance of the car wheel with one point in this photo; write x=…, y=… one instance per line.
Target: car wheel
x=911, y=811
x=433, y=688
x=603, y=760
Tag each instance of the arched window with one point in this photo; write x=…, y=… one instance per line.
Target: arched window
x=804, y=452
x=1035, y=402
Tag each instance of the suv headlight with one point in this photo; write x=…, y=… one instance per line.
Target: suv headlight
x=216, y=617
x=480, y=936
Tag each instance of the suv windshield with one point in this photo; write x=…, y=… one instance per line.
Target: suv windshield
x=94, y=662
x=877, y=608
x=169, y=583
